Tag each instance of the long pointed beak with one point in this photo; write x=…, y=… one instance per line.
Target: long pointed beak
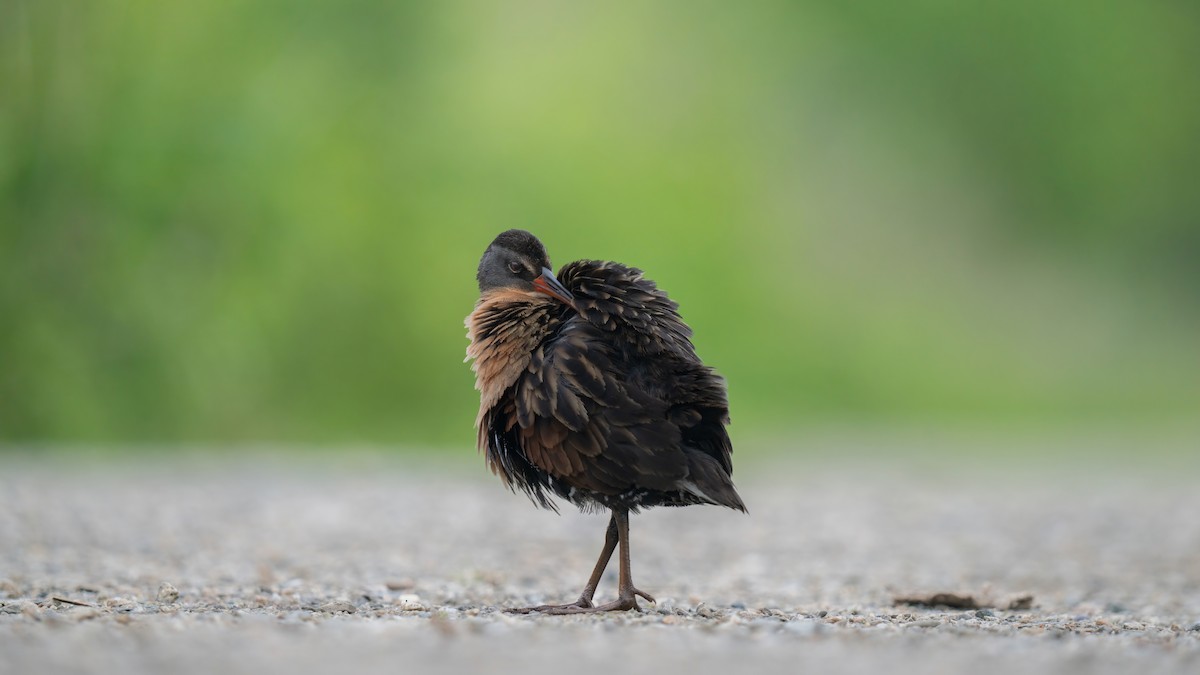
x=551, y=286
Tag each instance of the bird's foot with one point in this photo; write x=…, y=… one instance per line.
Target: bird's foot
x=625, y=602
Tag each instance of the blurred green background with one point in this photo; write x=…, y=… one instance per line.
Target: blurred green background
x=260, y=221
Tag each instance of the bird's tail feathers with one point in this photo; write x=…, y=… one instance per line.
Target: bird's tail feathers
x=708, y=481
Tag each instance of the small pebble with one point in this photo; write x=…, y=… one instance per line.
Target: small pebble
x=336, y=606
x=707, y=612
x=410, y=601
x=119, y=604
x=167, y=594
x=927, y=623
x=25, y=607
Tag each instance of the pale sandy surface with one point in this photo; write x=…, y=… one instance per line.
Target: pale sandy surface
x=302, y=565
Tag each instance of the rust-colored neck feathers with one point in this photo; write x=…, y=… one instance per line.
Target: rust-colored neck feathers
x=505, y=328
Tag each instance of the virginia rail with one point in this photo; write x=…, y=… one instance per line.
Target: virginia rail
x=591, y=391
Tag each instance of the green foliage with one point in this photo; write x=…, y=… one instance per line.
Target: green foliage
x=260, y=220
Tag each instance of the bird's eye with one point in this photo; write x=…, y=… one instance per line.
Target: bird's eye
x=516, y=267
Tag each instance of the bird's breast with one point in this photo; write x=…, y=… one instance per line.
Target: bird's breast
x=504, y=329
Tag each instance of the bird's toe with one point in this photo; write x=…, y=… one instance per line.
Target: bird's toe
x=580, y=605
x=645, y=596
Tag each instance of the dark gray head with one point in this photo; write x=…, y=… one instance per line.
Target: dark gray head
x=516, y=259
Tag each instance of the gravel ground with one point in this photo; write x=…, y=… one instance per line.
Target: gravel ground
x=268, y=564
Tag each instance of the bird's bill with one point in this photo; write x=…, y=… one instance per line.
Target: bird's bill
x=551, y=286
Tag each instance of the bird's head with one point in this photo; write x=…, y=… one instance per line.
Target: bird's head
x=517, y=260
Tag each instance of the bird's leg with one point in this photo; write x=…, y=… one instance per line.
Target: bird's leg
x=610, y=544
x=626, y=593
x=589, y=591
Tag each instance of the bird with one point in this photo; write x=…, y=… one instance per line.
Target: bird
x=591, y=392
